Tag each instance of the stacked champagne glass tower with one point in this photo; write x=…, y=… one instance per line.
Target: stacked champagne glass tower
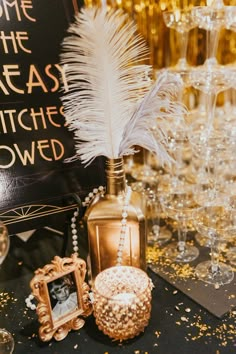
x=201, y=188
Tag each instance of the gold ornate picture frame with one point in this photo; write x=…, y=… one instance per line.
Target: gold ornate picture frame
x=62, y=295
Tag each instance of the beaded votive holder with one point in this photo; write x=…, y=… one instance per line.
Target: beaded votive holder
x=122, y=301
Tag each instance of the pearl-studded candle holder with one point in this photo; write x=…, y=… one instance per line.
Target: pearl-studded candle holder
x=122, y=301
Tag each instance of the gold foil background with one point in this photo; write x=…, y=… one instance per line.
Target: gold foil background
x=163, y=42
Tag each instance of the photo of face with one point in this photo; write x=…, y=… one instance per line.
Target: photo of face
x=63, y=296
x=60, y=291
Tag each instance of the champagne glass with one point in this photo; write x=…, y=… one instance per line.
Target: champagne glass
x=179, y=148
x=143, y=171
x=178, y=204
x=230, y=20
x=210, y=163
x=212, y=19
x=157, y=235
x=217, y=223
x=182, y=21
x=6, y=342
x=4, y=242
x=211, y=80
x=204, y=193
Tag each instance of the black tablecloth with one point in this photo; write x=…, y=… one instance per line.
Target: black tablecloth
x=177, y=325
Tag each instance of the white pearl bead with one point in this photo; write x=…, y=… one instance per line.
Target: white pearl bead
x=73, y=219
x=75, y=243
x=76, y=213
x=74, y=237
x=74, y=231
x=76, y=248
x=73, y=225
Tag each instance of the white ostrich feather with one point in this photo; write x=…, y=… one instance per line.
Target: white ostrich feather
x=154, y=118
x=111, y=104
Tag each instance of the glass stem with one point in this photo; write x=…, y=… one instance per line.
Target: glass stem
x=155, y=218
x=212, y=37
x=183, y=36
x=214, y=254
x=182, y=234
x=210, y=110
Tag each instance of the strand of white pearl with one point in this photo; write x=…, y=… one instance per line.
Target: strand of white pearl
x=123, y=231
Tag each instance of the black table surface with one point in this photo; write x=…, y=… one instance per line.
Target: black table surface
x=177, y=325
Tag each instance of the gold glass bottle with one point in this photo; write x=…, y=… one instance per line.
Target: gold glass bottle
x=103, y=219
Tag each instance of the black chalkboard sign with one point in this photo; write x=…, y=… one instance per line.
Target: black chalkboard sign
x=35, y=181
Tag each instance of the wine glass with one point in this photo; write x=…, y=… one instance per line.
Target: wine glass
x=6, y=342
x=217, y=223
x=178, y=204
x=182, y=21
x=4, y=242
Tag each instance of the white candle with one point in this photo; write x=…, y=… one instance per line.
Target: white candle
x=123, y=297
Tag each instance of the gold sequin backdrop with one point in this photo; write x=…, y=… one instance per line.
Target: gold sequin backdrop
x=163, y=42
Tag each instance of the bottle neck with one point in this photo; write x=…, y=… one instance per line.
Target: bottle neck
x=115, y=176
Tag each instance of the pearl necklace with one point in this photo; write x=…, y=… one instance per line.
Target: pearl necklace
x=123, y=230
x=100, y=190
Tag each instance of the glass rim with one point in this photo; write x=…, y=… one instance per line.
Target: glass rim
x=8, y=335
x=139, y=272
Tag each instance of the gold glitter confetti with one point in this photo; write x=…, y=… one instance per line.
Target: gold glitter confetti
x=184, y=319
x=5, y=299
x=224, y=331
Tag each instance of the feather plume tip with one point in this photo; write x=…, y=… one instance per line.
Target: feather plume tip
x=112, y=104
